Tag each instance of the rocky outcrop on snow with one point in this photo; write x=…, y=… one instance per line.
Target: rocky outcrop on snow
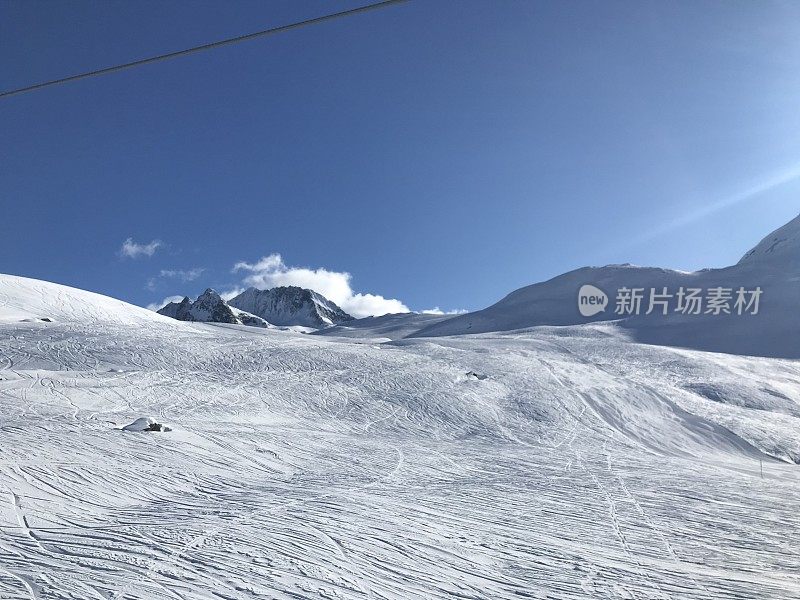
x=289, y=306
x=146, y=424
x=210, y=308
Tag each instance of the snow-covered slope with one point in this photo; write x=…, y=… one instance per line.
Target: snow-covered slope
x=780, y=249
x=391, y=326
x=579, y=465
x=290, y=305
x=24, y=299
x=210, y=308
x=773, y=267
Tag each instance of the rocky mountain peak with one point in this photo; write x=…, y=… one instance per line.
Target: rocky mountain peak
x=291, y=305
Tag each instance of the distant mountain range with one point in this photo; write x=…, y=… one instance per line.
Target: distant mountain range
x=283, y=306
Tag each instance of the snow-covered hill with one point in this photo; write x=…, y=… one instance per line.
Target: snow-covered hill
x=773, y=267
x=290, y=305
x=210, y=308
x=577, y=464
x=24, y=299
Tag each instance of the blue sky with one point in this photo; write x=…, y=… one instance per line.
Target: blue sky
x=442, y=153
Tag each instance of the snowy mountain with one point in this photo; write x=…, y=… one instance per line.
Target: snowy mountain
x=210, y=308
x=290, y=305
x=768, y=325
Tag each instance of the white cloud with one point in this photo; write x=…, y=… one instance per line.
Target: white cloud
x=271, y=272
x=438, y=311
x=185, y=276
x=131, y=249
x=365, y=305
x=228, y=294
x=267, y=263
x=157, y=306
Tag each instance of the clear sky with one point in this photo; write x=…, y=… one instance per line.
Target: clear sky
x=442, y=152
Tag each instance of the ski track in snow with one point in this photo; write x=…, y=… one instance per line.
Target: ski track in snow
x=308, y=467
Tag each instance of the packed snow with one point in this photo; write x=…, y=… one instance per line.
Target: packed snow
x=550, y=462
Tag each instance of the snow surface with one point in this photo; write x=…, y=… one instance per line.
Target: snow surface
x=391, y=327
x=584, y=466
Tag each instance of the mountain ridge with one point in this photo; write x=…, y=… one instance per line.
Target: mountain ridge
x=209, y=307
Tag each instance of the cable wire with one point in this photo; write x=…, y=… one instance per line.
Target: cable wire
x=212, y=45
